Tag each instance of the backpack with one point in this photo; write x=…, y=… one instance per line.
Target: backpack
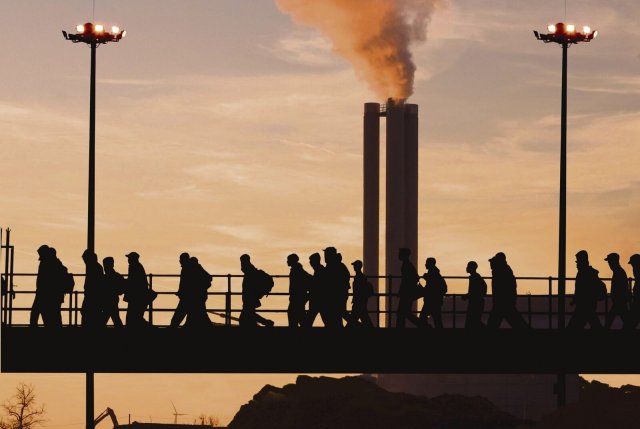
x=600, y=290
x=67, y=281
x=264, y=284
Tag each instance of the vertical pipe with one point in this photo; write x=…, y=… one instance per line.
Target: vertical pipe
x=395, y=194
x=371, y=204
x=92, y=153
x=562, y=239
x=90, y=404
x=91, y=209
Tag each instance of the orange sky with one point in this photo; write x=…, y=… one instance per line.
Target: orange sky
x=223, y=128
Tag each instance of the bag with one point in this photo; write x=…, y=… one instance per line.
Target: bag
x=67, y=282
x=264, y=284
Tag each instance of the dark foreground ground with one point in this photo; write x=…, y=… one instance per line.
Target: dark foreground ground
x=282, y=350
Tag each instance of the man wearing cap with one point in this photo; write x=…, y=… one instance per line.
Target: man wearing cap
x=299, y=284
x=137, y=293
x=504, y=288
x=434, y=292
x=362, y=291
x=114, y=284
x=634, y=261
x=409, y=290
x=620, y=294
x=586, y=294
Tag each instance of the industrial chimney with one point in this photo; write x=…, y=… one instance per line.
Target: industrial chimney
x=401, y=223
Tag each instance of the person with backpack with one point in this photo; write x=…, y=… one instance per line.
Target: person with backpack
x=202, y=280
x=504, y=287
x=256, y=284
x=52, y=282
x=475, y=296
x=194, y=283
x=620, y=294
x=362, y=291
x=299, y=285
x=114, y=285
x=137, y=293
x=589, y=289
x=434, y=292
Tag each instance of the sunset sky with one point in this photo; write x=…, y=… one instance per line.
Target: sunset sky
x=225, y=128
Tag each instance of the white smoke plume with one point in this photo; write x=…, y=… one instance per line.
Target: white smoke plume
x=374, y=35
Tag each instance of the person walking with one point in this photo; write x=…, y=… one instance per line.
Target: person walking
x=620, y=293
x=475, y=297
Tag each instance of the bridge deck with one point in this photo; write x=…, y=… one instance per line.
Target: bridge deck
x=282, y=350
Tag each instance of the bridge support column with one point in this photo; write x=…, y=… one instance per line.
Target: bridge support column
x=561, y=389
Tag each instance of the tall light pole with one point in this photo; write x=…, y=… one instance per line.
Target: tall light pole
x=93, y=35
x=565, y=35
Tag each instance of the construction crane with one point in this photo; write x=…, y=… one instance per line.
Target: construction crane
x=106, y=413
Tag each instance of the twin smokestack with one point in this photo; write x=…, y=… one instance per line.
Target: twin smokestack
x=401, y=188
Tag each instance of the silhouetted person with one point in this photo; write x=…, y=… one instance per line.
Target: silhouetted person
x=114, y=285
x=586, y=295
x=634, y=261
x=255, y=285
x=505, y=294
x=137, y=293
x=434, y=292
x=185, y=293
x=317, y=291
x=620, y=294
x=92, y=314
x=475, y=297
x=338, y=285
x=362, y=291
x=299, y=285
x=202, y=280
x=409, y=290
x=52, y=282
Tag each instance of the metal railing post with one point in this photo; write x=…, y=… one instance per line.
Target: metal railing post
x=455, y=316
x=390, y=303
x=75, y=307
x=151, y=303
x=10, y=281
x=227, y=302
x=70, y=310
x=550, y=302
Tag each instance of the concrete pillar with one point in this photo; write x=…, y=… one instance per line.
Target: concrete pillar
x=411, y=182
x=395, y=198
x=371, y=206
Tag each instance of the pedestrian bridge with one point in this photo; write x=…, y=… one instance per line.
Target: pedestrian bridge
x=224, y=347
x=318, y=350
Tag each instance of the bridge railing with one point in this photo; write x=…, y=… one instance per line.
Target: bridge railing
x=537, y=301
